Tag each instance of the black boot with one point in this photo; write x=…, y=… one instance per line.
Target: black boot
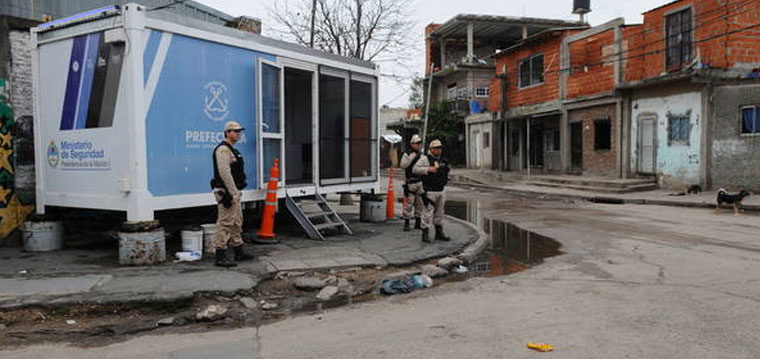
x=222, y=260
x=439, y=234
x=407, y=228
x=425, y=236
x=417, y=223
x=241, y=254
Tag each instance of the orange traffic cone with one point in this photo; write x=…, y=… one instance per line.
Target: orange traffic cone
x=267, y=220
x=390, y=205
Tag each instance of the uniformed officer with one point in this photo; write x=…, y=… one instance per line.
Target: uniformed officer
x=229, y=180
x=413, y=184
x=434, y=170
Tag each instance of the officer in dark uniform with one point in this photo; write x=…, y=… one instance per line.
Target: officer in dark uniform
x=229, y=179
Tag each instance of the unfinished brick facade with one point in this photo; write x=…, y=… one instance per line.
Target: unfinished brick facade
x=723, y=36
x=592, y=68
x=535, y=94
x=596, y=161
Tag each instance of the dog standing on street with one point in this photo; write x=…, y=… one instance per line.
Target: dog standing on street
x=733, y=199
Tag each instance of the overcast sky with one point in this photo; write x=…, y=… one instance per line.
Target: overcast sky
x=393, y=90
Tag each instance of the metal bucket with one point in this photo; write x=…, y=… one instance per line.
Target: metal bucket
x=209, y=230
x=142, y=248
x=372, y=211
x=42, y=236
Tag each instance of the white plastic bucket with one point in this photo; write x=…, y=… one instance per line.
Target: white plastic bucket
x=192, y=241
x=42, y=236
x=209, y=230
x=142, y=248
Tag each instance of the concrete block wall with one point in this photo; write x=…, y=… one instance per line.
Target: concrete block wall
x=735, y=160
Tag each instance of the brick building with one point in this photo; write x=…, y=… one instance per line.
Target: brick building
x=672, y=99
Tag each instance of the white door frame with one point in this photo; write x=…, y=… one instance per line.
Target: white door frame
x=268, y=135
x=641, y=118
x=314, y=69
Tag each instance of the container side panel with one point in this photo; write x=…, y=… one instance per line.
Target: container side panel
x=201, y=86
x=79, y=160
x=151, y=48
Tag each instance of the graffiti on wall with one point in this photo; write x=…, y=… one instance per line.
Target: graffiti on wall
x=15, y=205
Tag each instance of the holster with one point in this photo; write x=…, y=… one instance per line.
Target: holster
x=406, y=190
x=226, y=200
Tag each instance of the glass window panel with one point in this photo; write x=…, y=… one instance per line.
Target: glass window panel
x=756, y=129
x=271, y=151
x=524, y=73
x=747, y=120
x=270, y=94
x=332, y=122
x=537, y=69
x=361, y=129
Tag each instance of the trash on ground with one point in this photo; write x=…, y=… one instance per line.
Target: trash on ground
x=22, y=272
x=422, y=281
x=460, y=269
x=396, y=286
x=71, y=322
x=542, y=347
x=188, y=256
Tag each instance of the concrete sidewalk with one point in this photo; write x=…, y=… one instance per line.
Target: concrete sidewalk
x=516, y=184
x=93, y=275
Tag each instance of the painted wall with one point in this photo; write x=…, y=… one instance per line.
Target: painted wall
x=481, y=131
x=677, y=165
x=735, y=161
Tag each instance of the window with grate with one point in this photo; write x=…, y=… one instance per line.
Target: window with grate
x=532, y=71
x=482, y=91
x=678, y=39
x=678, y=130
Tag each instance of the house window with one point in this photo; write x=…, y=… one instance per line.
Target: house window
x=532, y=71
x=486, y=139
x=678, y=130
x=482, y=91
x=678, y=39
x=750, y=120
x=602, y=135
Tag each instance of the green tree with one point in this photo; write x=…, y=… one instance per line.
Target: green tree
x=447, y=126
x=416, y=92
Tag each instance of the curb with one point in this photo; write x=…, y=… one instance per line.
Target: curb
x=474, y=249
x=599, y=199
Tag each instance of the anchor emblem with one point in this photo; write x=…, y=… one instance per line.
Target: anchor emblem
x=216, y=101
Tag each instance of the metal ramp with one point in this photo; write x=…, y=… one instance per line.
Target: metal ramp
x=316, y=216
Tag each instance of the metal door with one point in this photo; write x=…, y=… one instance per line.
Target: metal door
x=647, y=145
x=576, y=146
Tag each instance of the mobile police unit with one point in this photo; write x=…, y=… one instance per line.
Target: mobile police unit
x=129, y=104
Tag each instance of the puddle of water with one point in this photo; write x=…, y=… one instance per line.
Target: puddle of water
x=510, y=248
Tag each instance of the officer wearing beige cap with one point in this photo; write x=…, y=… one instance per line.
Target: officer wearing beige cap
x=434, y=170
x=413, y=184
x=229, y=179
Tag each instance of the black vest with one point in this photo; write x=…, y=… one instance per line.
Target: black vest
x=408, y=171
x=237, y=168
x=434, y=182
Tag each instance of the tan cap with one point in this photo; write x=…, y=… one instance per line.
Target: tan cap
x=435, y=143
x=232, y=125
x=415, y=139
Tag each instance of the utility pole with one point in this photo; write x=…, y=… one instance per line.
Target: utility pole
x=358, y=28
x=313, y=15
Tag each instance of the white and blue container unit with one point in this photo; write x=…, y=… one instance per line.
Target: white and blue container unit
x=129, y=104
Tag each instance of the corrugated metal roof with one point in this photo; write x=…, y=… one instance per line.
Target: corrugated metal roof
x=502, y=27
x=34, y=9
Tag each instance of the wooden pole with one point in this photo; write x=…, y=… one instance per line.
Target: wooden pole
x=313, y=16
x=427, y=106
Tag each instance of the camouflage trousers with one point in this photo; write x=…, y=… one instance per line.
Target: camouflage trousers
x=229, y=224
x=413, y=201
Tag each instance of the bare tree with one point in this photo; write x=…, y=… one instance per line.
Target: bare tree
x=372, y=30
